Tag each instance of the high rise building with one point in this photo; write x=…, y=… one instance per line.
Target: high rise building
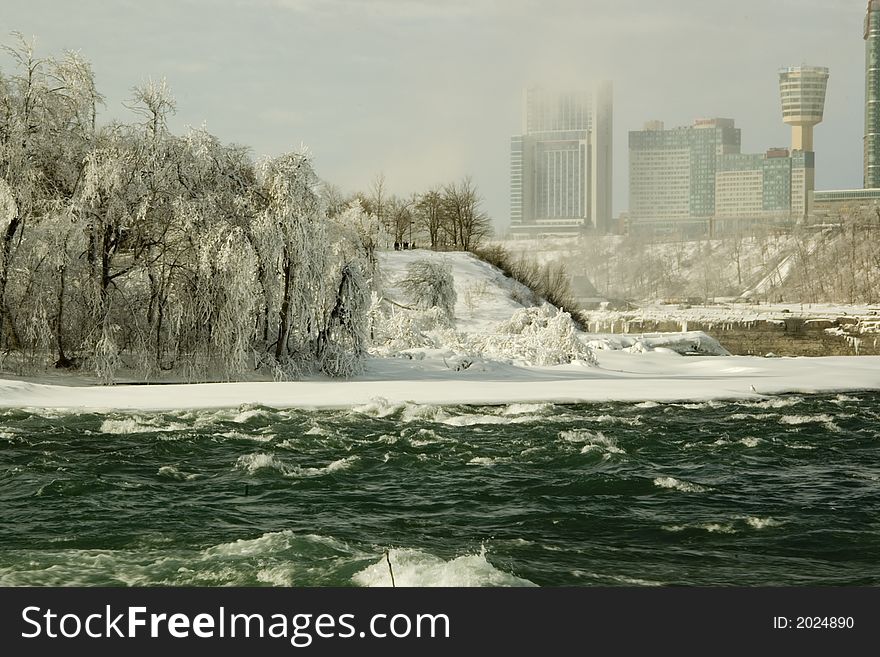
x=872, y=95
x=560, y=167
x=672, y=174
x=836, y=204
x=694, y=180
x=764, y=188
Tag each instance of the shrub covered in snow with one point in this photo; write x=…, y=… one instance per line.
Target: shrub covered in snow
x=430, y=284
x=538, y=336
x=400, y=329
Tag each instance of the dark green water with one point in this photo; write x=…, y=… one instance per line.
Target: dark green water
x=780, y=491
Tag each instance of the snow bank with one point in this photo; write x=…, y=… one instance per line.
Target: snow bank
x=484, y=297
x=687, y=343
x=724, y=314
x=620, y=376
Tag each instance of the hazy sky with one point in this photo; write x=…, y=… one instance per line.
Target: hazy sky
x=427, y=91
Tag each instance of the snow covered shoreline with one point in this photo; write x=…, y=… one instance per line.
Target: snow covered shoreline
x=621, y=376
x=474, y=364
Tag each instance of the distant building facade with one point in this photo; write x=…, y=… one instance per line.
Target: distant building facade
x=839, y=205
x=872, y=95
x=694, y=180
x=561, y=166
x=761, y=189
x=672, y=174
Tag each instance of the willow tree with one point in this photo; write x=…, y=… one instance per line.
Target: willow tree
x=130, y=250
x=47, y=126
x=291, y=242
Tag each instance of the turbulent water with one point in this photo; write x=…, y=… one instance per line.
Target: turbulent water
x=784, y=490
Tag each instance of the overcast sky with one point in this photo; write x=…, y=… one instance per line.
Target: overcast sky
x=426, y=91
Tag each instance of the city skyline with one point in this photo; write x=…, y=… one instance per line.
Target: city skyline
x=376, y=87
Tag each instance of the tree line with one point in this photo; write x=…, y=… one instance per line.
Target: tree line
x=448, y=217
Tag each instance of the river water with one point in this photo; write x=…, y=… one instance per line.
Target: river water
x=784, y=490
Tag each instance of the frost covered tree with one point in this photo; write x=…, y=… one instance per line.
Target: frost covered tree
x=359, y=234
x=430, y=284
x=375, y=202
x=447, y=217
x=401, y=219
x=343, y=340
x=126, y=249
x=429, y=216
x=47, y=125
x=464, y=221
x=288, y=230
x=131, y=180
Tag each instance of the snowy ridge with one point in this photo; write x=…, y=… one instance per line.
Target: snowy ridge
x=494, y=319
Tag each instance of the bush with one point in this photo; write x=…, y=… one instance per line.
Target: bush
x=403, y=329
x=430, y=284
x=538, y=336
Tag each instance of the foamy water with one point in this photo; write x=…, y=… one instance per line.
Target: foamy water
x=509, y=495
x=254, y=463
x=798, y=420
x=472, y=420
x=676, y=484
x=138, y=425
x=172, y=472
x=411, y=568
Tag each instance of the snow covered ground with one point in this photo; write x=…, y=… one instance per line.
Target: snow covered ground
x=392, y=383
x=443, y=371
x=485, y=296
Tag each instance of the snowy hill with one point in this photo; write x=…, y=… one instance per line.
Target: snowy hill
x=496, y=320
x=485, y=296
x=486, y=299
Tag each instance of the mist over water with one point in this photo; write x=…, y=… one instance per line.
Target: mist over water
x=784, y=490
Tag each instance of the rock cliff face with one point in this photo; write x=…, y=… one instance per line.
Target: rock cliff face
x=785, y=335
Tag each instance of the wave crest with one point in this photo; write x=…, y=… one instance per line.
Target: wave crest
x=679, y=485
x=593, y=441
x=416, y=568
